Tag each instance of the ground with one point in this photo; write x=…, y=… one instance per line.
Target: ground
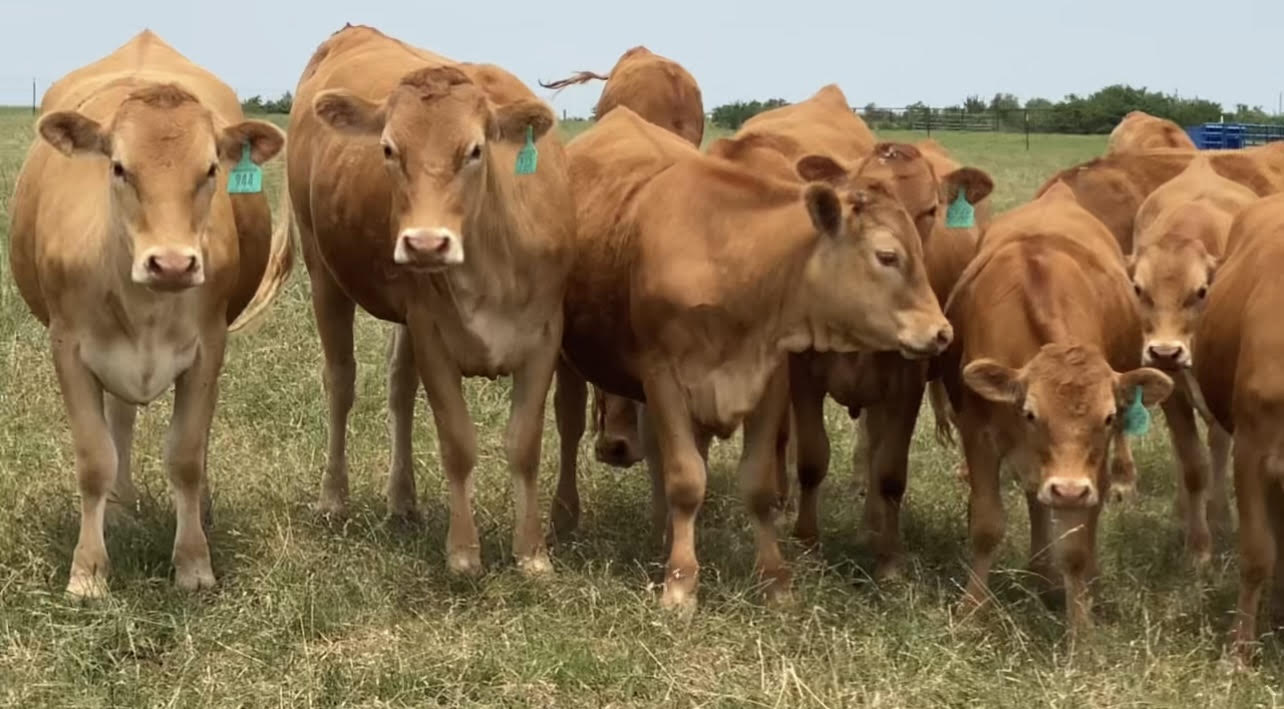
x=309, y=613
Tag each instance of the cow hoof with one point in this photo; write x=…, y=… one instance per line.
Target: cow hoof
x=678, y=601
x=1122, y=492
x=779, y=590
x=535, y=566
x=465, y=563
x=889, y=572
x=87, y=586
x=405, y=513
x=331, y=507
x=194, y=577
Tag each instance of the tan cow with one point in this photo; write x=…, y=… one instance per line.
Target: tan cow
x=725, y=270
x=1237, y=350
x=663, y=92
x=882, y=388
x=127, y=245
x=1044, y=376
x=403, y=180
x=1181, y=234
x=1113, y=187
x=824, y=124
x=1139, y=131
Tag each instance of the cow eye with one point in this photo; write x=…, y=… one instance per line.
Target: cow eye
x=1110, y=420
x=1136, y=288
x=387, y=151
x=117, y=169
x=887, y=257
x=928, y=212
x=1029, y=416
x=476, y=153
x=212, y=171
x=1202, y=292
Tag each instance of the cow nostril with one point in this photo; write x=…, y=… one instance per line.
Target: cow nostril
x=191, y=265
x=153, y=265
x=943, y=336
x=443, y=245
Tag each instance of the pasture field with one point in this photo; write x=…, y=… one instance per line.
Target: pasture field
x=362, y=612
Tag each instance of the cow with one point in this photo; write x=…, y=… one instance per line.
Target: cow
x=882, y=388
x=695, y=276
x=1139, y=132
x=128, y=247
x=1113, y=187
x=434, y=195
x=1044, y=378
x=823, y=124
x=663, y=92
x=1181, y=234
x=1236, y=352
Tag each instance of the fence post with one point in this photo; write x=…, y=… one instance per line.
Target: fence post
x=1026, y=119
x=929, y=121
x=33, y=97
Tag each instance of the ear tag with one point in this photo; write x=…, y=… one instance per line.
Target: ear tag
x=246, y=177
x=528, y=156
x=1136, y=420
x=960, y=214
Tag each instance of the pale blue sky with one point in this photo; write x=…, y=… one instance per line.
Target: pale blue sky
x=891, y=53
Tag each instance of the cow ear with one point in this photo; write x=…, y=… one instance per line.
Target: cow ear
x=265, y=141
x=993, y=381
x=348, y=113
x=821, y=168
x=511, y=121
x=1155, y=387
x=73, y=134
x=825, y=208
x=975, y=185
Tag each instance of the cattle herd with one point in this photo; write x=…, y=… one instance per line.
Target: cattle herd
x=694, y=292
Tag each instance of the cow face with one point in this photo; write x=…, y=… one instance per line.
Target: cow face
x=923, y=193
x=1171, y=279
x=163, y=160
x=438, y=134
x=866, y=282
x=1068, y=405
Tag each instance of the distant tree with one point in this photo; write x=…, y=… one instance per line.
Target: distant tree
x=254, y=104
x=974, y=104
x=1004, y=102
x=733, y=115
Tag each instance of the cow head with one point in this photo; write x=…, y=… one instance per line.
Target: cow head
x=437, y=132
x=1069, y=405
x=924, y=194
x=867, y=272
x=615, y=423
x=1171, y=278
x=164, y=160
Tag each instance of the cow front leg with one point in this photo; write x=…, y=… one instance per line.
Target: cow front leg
x=120, y=419
x=1192, y=461
x=984, y=511
x=403, y=386
x=807, y=396
x=757, y=475
x=334, y=313
x=889, y=428
x=531, y=382
x=569, y=400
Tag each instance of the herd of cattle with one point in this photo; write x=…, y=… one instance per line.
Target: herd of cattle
x=696, y=292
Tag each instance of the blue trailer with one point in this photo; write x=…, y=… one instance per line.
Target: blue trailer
x=1228, y=136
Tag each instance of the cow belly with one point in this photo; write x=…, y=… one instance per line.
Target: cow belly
x=137, y=372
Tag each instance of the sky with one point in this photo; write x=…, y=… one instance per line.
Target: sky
x=890, y=53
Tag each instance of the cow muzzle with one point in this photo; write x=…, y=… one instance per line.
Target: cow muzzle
x=169, y=269
x=433, y=249
x=1171, y=355
x=1068, y=492
x=922, y=343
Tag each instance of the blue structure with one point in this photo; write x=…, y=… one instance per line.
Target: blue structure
x=1225, y=136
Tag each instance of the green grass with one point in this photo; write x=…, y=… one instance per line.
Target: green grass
x=363, y=613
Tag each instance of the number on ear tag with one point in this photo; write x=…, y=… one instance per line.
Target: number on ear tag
x=246, y=177
x=960, y=214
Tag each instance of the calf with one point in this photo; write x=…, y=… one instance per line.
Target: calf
x=728, y=270
x=433, y=195
x=127, y=244
x=1044, y=378
x=1237, y=349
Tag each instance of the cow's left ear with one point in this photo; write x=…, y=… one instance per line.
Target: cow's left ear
x=994, y=381
x=74, y=134
x=1155, y=387
x=265, y=139
x=974, y=183
x=510, y=121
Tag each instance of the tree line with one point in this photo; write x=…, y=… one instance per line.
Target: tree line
x=1099, y=112
x=257, y=104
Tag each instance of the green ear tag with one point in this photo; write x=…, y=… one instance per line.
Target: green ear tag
x=528, y=156
x=246, y=177
x=960, y=214
x=1136, y=419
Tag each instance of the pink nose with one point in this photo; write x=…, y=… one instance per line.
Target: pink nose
x=432, y=248
x=172, y=267
x=1070, y=492
x=427, y=244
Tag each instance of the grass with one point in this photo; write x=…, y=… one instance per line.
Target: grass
x=362, y=613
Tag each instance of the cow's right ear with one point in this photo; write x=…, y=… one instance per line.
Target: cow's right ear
x=348, y=113
x=974, y=183
x=821, y=168
x=72, y=133
x=993, y=381
x=825, y=208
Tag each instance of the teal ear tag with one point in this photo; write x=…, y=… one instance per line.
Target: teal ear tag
x=1136, y=419
x=246, y=177
x=960, y=214
x=528, y=156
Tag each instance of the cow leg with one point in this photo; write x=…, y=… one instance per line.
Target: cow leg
x=96, y=462
x=1257, y=542
x=1193, y=460
x=808, y=400
x=456, y=441
x=1219, y=446
x=531, y=383
x=984, y=510
x=120, y=419
x=568, y=408
x=661, y=524
x=1074, y=547
x=1123, y=471
x=1040, y=539
x=889, y=427
x=785, y=437
x=334, y=313
x=1275, y=512
x=757, y=476
x=684, y=477
x=403, y=386
x=195, y=394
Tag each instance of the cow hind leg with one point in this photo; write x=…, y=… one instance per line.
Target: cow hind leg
x=984, y=512
x=569, y=401
x=525, y=432
x=1219, y=446
x=403, y=386
x=334, y=313
x=812, y=453
x=1257, y=540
